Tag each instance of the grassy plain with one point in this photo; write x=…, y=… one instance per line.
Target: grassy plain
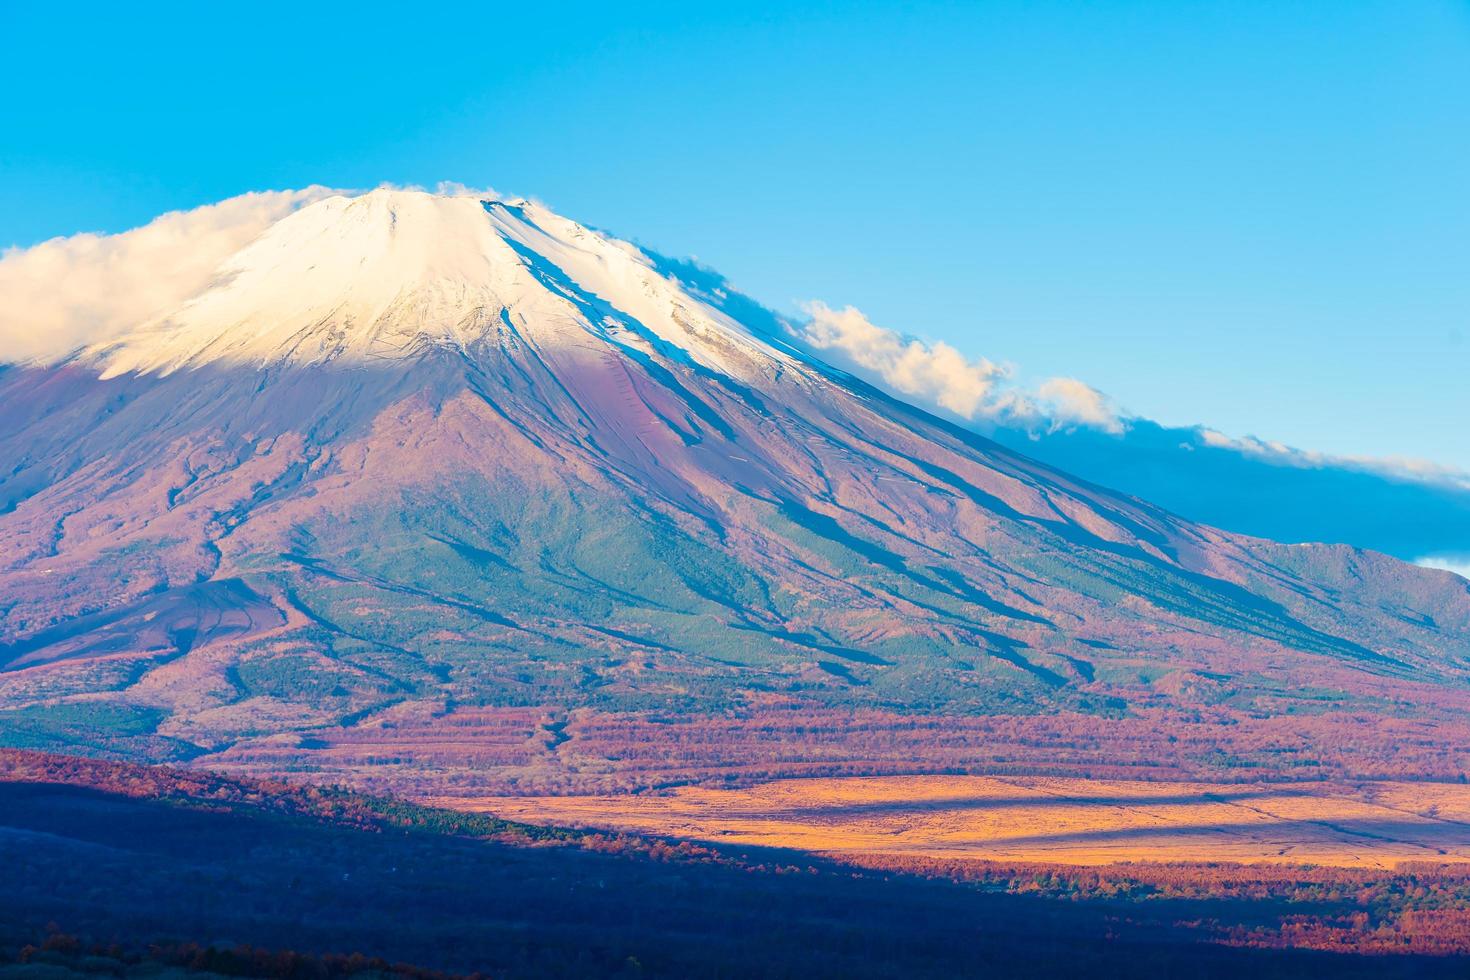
x=1042, y=819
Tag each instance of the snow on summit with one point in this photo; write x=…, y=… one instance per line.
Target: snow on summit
x=390, y=273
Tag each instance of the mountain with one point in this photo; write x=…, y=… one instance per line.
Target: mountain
x=454, y=492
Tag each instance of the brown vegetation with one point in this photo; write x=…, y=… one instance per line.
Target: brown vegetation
x=1049, y=819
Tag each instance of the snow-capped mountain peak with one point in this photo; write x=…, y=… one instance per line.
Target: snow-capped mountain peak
x=387, y=273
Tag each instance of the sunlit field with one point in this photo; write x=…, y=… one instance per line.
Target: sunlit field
x=1056, y=820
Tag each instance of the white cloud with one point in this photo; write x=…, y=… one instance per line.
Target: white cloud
x=72, y=292
x=936, y=373
x=1394, y=467
x=453, y=188
x=939, y=376
x=1068, y=400
x=1459, y=564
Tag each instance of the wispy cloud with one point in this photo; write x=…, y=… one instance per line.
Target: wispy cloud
x=937, y=373
x=1400, y=467
x=938, y=376
x=84, y=289
x=1459, y=564
x=453, y=188
x=1069, y=401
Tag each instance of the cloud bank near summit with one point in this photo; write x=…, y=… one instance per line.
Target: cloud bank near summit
x=78, y=290
x=84, y=289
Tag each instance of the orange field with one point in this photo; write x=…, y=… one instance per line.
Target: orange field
x=1044, y=819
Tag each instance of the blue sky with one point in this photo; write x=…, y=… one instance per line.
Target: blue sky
x=1251, y=215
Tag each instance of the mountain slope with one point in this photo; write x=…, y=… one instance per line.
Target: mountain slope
x=412, y=457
